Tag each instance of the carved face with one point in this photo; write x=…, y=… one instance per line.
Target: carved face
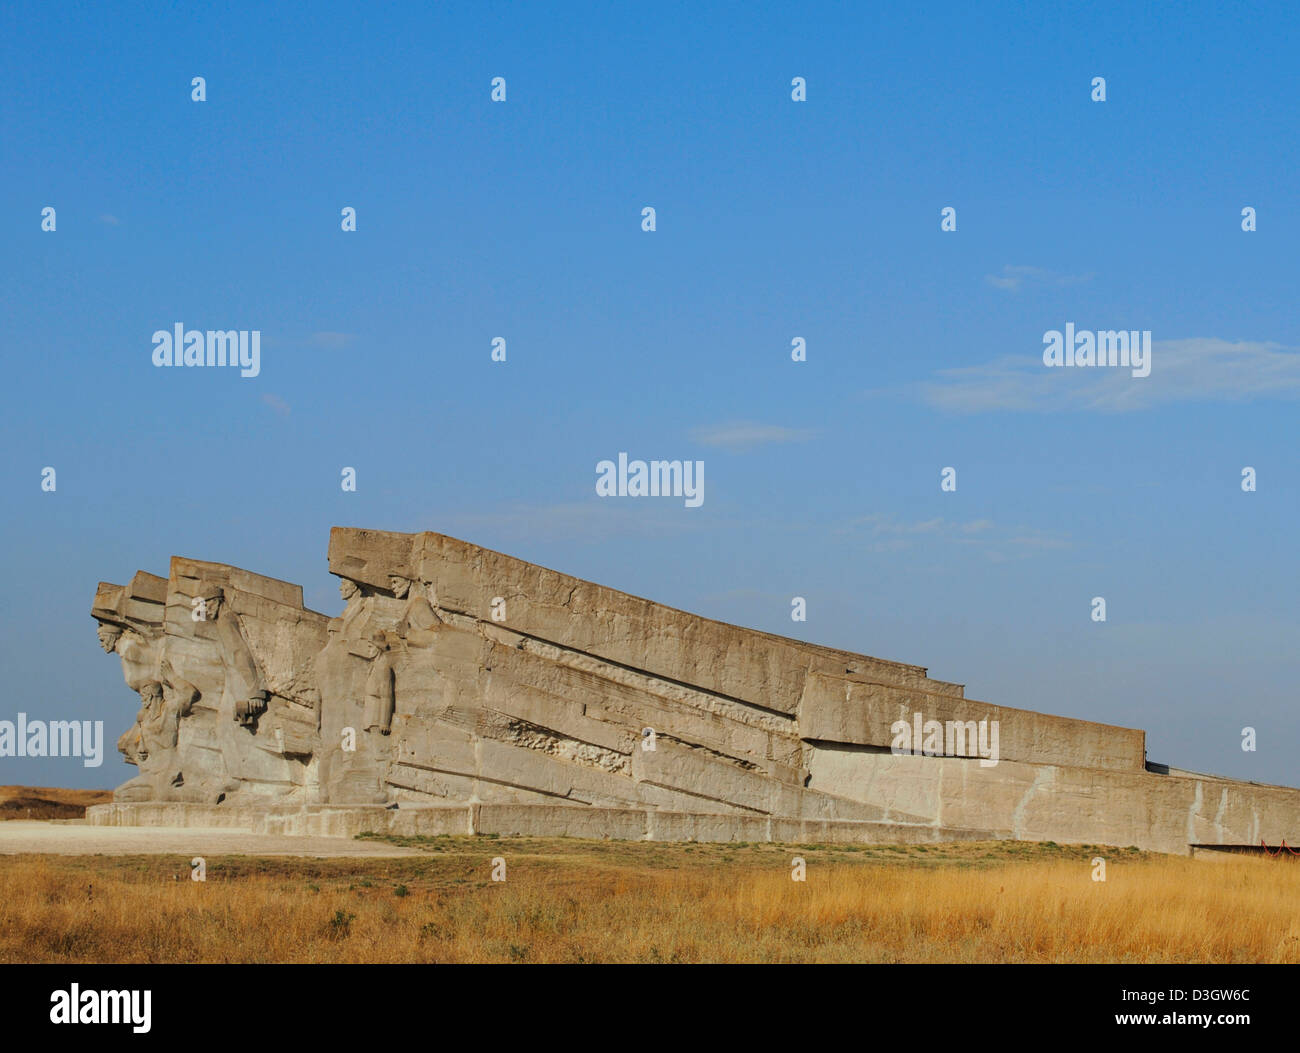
x=347, y=588
x=399, y=585
x=108, y=637
x=211, y=608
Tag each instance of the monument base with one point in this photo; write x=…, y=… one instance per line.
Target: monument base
x=524, y=820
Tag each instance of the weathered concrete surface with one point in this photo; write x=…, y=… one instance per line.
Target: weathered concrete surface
x=1044, y=802
x=19, y=837
x=853, y=711
x=524, y=820
x=195, y=675
x=478, y=692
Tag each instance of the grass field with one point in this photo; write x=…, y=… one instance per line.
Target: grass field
x=567, y=900
x=48, y=802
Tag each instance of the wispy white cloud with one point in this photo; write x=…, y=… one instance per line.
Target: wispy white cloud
x=1013, y=279
x=884, y=533
x=276, y=403
x=1201, y=369
x=745, y=435
x=109, y=220
x=877, y=525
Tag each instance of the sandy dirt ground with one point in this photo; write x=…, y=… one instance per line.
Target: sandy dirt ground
x=74, y=838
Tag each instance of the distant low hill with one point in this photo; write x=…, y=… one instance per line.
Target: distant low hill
x=48, y=802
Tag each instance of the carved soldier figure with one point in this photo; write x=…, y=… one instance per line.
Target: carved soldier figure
x=380, y=693
x=357, y=607
x=244, y=680
x=179, y=697
x=419, y=620
x=140, y=655
x=108, y=636
x=157, y=726
x=141, y=740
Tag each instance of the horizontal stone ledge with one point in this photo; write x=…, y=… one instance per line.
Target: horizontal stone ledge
x=858, y=711
x=525, y=820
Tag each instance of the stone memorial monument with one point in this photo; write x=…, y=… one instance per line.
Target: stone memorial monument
x=464, y=691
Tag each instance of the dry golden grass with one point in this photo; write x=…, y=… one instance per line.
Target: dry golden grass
x=577, y=901
x=48, y=802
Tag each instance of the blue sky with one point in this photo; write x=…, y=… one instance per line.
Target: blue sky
x=775, y=219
